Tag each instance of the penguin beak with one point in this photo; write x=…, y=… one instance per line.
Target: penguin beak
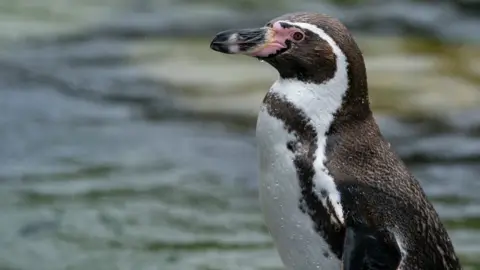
x=258, y=42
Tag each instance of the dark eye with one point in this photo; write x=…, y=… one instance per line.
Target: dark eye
x=297, y=36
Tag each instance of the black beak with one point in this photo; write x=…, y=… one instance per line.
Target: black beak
x=242, y=41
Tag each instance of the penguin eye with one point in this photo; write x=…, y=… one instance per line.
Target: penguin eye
x=297, y=36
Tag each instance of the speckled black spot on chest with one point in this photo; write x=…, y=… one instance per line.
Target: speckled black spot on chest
x=303, y=146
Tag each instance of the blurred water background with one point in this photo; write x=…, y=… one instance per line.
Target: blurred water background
x=125, y=143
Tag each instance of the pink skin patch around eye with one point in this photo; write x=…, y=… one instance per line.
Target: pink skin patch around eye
x=275, y=40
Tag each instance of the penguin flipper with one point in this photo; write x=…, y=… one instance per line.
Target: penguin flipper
x=370, y=249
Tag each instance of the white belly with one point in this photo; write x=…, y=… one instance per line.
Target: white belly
x=299, y=245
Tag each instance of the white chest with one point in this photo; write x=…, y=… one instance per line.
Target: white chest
x=300, y=246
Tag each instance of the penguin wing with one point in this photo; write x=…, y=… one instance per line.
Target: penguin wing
x=370, y=249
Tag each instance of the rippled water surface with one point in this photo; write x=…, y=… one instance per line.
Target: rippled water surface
x=124, y=149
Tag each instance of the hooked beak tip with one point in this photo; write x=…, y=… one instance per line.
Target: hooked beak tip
x=220, y=42
x=214, y=46
x=218, y=47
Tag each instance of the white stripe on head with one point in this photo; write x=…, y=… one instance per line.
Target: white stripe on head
x=319, y=102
